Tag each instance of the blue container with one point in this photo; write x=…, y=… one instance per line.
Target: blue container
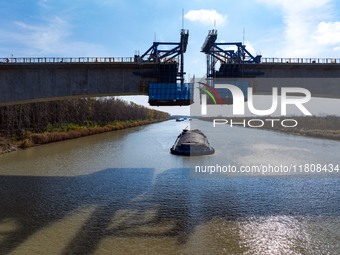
x=161, y=94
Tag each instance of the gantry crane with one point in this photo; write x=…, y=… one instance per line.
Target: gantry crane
x=170, y=88
x=231, y=60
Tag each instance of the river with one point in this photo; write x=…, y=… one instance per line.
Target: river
x=124, y=193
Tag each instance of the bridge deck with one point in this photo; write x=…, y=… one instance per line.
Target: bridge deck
x=34, y=79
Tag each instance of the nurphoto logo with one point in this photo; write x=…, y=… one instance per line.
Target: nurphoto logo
x=239, y=98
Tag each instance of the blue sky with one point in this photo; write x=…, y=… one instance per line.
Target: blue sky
x=119, y=28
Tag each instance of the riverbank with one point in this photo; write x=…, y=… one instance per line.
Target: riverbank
x=327, y=127
x=66, y=132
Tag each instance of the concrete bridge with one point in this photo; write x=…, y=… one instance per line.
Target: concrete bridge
x=320, y=76
x=37, y=79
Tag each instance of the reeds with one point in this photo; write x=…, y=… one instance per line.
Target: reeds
x=71, y=131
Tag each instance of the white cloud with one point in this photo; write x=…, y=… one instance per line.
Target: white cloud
x=250, y=48
x=44, y=37
x=53, y=38
x=206, y=17
x=297, y=5
x=306, y=33
x=328, y=33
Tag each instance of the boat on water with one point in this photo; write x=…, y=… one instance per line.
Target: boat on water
x=192, y=142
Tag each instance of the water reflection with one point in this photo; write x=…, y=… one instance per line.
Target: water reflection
x=29, y=204
x=105, y=195
x=288, y=235
x=118, y=209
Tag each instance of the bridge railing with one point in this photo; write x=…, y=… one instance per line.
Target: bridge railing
x=133, y=59
x=69, y=60
x=302, y=60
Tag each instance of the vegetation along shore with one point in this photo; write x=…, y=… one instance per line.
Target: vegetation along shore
x=327, y=127
x=27, y=125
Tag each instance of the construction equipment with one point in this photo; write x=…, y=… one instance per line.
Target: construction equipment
x=231, y=60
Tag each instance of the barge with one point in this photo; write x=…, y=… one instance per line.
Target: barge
x=192, y=142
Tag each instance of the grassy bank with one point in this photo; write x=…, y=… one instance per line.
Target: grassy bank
x=28, y=139
x=327, y=127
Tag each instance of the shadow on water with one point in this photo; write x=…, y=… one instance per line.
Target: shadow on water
x=35, y=202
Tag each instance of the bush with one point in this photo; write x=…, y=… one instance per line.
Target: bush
x=27, y=143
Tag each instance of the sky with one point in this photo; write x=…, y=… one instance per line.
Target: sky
x=121, y=28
